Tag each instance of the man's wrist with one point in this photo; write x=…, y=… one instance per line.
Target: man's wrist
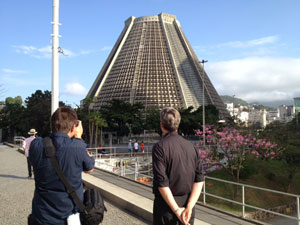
x=176, y=210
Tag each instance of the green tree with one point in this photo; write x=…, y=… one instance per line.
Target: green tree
x=96, y=121
x=191, y=119
x=38, y=112
x=123, y=117
x=287, y=137
x=12, y=119
x=100, y=122
x=152, y=120
x=86, y=116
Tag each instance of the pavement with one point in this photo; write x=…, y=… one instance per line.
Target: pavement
x=16, y=192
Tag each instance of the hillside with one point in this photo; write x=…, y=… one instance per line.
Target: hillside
x=230, y=99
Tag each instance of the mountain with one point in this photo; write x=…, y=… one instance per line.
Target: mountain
x=274, y=104
x=230, y=99
x=260, y=104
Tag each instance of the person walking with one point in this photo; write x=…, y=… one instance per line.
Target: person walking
x=25, y=146
x=177, y=171
x=130, y=147
x=142, y=147
x=136, y=146
x=51, y=203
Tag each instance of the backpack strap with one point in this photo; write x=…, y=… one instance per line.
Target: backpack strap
x=50, y=152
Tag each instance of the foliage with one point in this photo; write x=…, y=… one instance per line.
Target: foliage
x=248, y=169
x=152, y=120
x=11, y=116
x=123, y=117
x=38, y=112
x=96, y=121
x=287, y=136
x=231, y=147
x=191, y=119
x=18, y=119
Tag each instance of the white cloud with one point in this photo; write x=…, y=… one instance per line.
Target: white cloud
x=251, y=43
x=257, y=79
x=46, y=51
x=106, y=48
x=74, y=89
x=265, y=46
x=17, y=81
x=10, y=71
x=43, y=52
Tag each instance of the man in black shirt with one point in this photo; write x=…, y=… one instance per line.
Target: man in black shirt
x=177, y=171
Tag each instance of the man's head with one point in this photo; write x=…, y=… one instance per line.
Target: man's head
x=32, y=132
x=63, y=120
x=170, y=119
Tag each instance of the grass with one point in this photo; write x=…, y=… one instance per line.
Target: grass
x=266, y=174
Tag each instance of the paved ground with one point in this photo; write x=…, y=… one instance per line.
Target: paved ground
x=16, y=192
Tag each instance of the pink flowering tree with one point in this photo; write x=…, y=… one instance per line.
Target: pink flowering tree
x=230, y=147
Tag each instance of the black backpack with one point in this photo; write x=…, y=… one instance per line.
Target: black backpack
x=94, y=207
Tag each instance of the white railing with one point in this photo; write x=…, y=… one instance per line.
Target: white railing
x=124, y=164
x=18, y=140
x=137, y=173
x=244, y=205
x=110, y=152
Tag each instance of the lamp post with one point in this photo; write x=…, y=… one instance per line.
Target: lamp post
x=233, y=105
x=55, y=56
x=203, y=102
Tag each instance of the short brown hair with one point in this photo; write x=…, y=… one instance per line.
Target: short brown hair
x=170, y=119
x=63, y=119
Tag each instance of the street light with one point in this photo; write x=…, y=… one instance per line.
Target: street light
x=233, y=105
x=55, y=57
x=203, y=106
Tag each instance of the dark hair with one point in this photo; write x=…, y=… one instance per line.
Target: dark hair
x=170, y=119
x=63, y=119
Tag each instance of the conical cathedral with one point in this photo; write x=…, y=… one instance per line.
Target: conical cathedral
x=153, y=63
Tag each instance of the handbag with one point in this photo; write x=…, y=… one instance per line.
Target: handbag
x=92, y=209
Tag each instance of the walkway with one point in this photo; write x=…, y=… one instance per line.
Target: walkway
x=16, y=192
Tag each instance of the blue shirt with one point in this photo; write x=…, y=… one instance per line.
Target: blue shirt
x=51, y=203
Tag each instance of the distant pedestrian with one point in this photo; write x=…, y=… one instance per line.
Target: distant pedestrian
x=142, y=147
x=130, y=147
x=177, y=174
x=136, y=146
x=25, y=146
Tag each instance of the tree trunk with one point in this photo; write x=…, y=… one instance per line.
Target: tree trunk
x=92, y=134
x=96, y=137
x=101, y=137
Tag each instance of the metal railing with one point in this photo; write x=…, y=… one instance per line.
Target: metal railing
x=127, y=166
x=18, y=140
x=244, y=205
x=109, y=152
x=136, y=172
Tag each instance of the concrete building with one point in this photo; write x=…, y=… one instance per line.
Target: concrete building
x=258, y=118
x=297, y=105
x=286, y=113
x=153, y=63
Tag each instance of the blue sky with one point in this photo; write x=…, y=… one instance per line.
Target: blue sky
x=252, y=47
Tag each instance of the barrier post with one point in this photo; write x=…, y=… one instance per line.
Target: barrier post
x=243, y=200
